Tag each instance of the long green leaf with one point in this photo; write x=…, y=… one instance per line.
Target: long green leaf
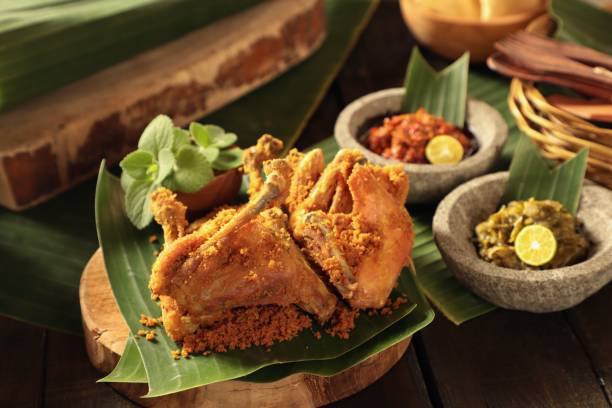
x=582, y=22
x=441, y=93
x=493, y=89
x=47, y=44
x=129, y=369
x=532, y=175
x=36, y=242
x=42, y=254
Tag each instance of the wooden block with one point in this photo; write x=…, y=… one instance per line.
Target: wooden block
x=53, y=142
x=106, y=333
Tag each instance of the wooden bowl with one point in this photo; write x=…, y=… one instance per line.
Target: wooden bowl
x=451, y=36
x=534, y=291
x=428, y=182
x=219, y=191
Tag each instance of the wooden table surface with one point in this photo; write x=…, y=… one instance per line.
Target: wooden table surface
x=503, y=359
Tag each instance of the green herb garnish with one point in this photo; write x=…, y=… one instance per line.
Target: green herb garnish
x=166, y=157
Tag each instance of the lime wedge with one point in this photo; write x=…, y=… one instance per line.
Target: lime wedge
x=444, y=149
x=535, y=245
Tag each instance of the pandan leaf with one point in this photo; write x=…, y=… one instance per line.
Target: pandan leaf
x=532, y=175
x=441, y=93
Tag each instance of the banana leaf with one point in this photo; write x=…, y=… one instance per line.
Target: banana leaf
x=493, y=89
x=130, y=367
x=45, y=44
x=43, y=250
x=532, y=175
x=441, y=93
x=582, y=22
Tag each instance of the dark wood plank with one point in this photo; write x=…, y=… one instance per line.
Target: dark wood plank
x=71, y=379
x=509, y=359
x=402, y=386
x=592, y=324
x=321, y=125
x=21, y=369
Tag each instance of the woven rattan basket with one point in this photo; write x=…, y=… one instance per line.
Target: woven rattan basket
x=560, y=134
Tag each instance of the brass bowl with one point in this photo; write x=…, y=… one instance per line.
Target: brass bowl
x=451, y=36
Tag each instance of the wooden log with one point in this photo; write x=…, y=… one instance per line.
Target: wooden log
x=106, y=334
x=55, y=141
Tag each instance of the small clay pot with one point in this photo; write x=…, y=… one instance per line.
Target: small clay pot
x=428, y=182
x=531, y=290
x=221, y=190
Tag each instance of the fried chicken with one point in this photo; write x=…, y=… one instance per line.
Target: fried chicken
x=240, y=258
x=346, y=220
x=353, y=224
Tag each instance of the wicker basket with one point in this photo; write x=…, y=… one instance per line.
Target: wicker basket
x=560, y=134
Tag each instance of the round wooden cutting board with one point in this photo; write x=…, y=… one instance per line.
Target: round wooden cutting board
x=106, y=334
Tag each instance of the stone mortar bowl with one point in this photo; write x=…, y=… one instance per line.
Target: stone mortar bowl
x=428, y=183
x=535, y=291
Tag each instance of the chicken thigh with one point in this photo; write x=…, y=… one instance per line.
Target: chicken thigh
x=353, y=224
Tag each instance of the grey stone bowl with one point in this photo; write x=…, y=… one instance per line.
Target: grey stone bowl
x=428, y=183
x=534, y=291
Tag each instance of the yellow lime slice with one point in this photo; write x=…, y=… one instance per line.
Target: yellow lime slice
x=444, y=149
x=535, y=245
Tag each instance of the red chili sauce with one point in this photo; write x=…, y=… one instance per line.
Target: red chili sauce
x=404, y=137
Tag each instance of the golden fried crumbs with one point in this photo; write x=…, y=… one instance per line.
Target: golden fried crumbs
x=147, y=334
x=176, y=354
x=149, y=321
x=246, y=327
x=389, y=307
x=342, y=322
x=392, y=305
